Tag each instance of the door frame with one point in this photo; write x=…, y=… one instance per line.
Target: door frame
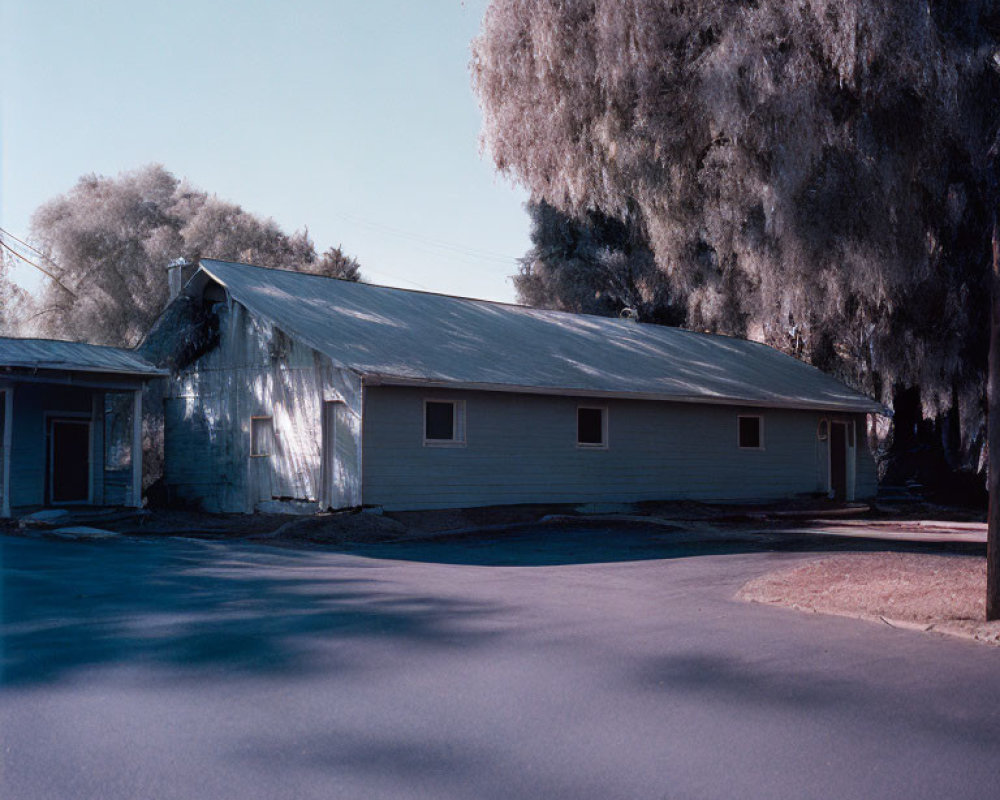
x=330, y=467
x=850, y=457
x=78, y=418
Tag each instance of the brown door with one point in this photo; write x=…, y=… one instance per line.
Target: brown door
x=69, y=461
x=838, y=460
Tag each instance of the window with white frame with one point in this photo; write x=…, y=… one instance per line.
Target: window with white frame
x=592, y=426
x=750, y=432
x=444, y=422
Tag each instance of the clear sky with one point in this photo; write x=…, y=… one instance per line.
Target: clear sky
x=354, y=118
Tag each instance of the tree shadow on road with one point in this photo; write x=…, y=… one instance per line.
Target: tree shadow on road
x=201, y=607
x=804, y=681
x=590, y=543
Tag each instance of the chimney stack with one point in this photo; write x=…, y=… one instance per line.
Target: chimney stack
x=175, y=277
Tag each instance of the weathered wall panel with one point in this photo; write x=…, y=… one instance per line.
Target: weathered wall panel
x=255, y=371
x=522, y=449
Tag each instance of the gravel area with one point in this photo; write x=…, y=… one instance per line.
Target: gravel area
x=941, y=593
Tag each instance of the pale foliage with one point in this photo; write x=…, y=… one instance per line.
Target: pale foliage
x=808, y=173
x=112, y=238
x=12, y=298
x=335, y=263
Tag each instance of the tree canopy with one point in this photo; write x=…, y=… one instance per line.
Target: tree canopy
x=809, y=174
x=109, y=241
x=594, y=265
x=11, y=297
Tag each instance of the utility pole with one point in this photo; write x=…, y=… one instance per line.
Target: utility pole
x=993, y=419
x=993, y=391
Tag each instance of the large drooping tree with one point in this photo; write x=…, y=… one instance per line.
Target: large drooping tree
x=809, y=174
x=813, y=174
x=109, y=240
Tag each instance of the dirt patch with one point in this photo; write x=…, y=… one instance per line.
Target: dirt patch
x=195, y=523
x=450, y=519
x=343, y=528
x=946, y=594
x=333, y=528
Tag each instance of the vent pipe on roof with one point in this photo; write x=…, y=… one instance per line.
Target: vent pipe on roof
x=629, y=314
x=175, y=277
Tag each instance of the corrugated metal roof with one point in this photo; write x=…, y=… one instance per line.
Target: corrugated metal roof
x=401, y=336
x=51, y=354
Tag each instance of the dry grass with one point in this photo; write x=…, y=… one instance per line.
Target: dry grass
x=930, y=592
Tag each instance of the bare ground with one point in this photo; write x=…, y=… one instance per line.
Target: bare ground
x=941, y=593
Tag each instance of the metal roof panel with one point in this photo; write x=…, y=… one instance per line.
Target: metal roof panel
x=52, y=354
x=400, y=335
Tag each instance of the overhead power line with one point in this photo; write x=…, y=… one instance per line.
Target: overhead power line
x=369, y=270
x=27, y=260
x=21, y=241
x=429, y=241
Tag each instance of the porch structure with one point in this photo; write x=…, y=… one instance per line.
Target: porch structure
x=70, y=425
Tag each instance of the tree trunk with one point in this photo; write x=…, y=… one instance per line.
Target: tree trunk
x=993, y=423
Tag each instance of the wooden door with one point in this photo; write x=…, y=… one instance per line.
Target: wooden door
x=262, y=456
x=338, y=460
x=69, y=461
x=838, y=460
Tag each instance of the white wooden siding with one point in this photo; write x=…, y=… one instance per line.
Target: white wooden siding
x=522, y=449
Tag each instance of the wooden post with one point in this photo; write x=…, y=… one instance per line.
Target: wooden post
x=137, y=448
x=98, y=447
x=993, y=439
x=7, y=398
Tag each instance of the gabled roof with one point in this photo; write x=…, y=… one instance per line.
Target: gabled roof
x=398, y=336
x=52, y=354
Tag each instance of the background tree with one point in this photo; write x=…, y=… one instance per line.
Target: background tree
x=12, y=298
x=335, y=263
x=597, y=265
x=109, y=241
x=806, y=174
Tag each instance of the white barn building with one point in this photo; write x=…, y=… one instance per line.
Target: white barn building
x=294, y=387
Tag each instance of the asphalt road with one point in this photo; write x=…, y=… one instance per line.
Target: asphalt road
x=551, y=664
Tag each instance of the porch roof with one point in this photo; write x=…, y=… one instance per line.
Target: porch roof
x=55, y=355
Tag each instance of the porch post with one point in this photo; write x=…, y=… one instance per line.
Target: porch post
x=8, y=437
x=137, y=448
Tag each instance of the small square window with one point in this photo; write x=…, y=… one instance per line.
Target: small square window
x=751, y=433
x=444, y=422
x=261, y=437
x=591, y=427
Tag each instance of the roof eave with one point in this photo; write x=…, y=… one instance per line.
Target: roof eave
x=860, y=407
x=151, y=372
